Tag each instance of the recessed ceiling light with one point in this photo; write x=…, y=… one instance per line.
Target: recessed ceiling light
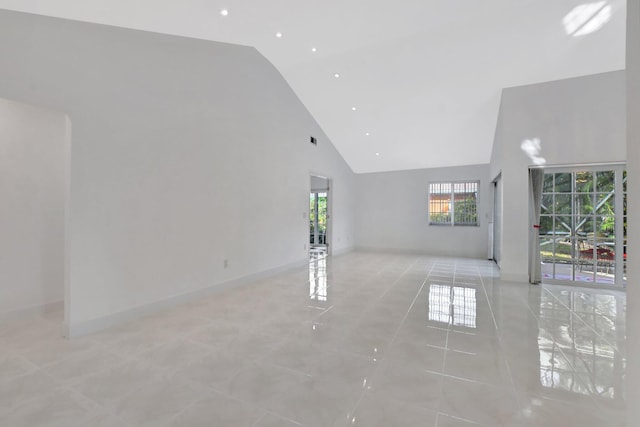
x=353, y=108
x=313, y=49
x=224, y=12
x=336, y=75
x=367, y=134
x=377, y=154
x=279, y=35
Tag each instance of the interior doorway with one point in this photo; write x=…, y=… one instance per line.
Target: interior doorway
x=35, y=143
x=319, y=217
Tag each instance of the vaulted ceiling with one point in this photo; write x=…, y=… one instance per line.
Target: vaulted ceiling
x=396, y=85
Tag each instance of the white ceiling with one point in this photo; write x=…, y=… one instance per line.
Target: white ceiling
x=424, y=75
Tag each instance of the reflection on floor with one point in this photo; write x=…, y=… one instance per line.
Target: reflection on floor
x=316, y=252
x=359, y=340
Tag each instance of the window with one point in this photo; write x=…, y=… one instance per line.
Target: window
x=453, y=203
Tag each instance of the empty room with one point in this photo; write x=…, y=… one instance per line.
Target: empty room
x=319, y=214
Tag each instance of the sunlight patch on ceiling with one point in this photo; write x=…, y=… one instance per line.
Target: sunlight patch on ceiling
x=587, y=18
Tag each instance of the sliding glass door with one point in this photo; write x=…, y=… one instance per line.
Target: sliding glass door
x=318, y=219
x=583, y=225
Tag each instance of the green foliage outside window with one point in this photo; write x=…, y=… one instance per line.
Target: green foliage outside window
x=465, y=211
x=322, y=213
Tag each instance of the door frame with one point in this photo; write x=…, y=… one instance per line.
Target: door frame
x=329, y=234
x=496, y=226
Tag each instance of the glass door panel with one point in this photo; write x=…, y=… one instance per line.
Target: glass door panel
x=547, y=204
x=562, y=204
x=584, y=182
x=605, y=181
x=322, y=218
x=313, y=206
x=584, y=226
x=583, y=203
x=563, y=182
x=318, y=219
x=578, y=226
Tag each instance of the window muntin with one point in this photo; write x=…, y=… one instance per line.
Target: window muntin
x=453, y=203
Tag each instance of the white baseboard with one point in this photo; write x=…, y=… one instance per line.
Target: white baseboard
x=94, y=325
x=514, y=277
x=31, y=311
x=377, y=250
x=343, y=251
x=404, y=251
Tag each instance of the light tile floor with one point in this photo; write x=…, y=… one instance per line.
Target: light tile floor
x=358, y=340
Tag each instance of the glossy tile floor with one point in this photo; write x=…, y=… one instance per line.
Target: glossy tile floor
x=359, y=340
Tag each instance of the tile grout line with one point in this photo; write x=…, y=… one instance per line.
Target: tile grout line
x=514, y=389
x=377, y=368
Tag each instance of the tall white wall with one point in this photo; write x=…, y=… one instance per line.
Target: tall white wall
x=391, y=213
x=633, y=249
x=579, y=120
x=32, y=198
x=497, y=151
x=495, y=170
x=185, y=153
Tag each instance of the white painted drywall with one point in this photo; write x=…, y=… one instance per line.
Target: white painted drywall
x=497, y=150
x=580, y=120
x=32, y=196
x=391, y=213
x=184, y=153
x=495, y=170
x=633, y=169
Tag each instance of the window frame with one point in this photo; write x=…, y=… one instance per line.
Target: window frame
x=451, y=222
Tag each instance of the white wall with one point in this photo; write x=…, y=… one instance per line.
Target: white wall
x=184, y=153
x=32, y=198
x=633, y=170
x=497, y=151
x=580, y=120
x=391, y=213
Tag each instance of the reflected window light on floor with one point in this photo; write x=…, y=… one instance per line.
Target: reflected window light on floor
x=452, y=305
x=573, y=356
x=318, y=287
